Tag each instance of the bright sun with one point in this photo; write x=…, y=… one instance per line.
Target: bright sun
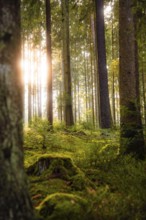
x=107, y=11
x=34, y=70
x=34, y=66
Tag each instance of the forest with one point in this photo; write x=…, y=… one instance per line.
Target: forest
x=72, y=110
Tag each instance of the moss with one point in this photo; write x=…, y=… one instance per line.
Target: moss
x=78, y=182
x=39, y=188
x=65, y=206
x=51, y=174
x=55, y=166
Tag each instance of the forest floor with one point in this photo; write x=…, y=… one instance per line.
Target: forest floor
x=79, y=175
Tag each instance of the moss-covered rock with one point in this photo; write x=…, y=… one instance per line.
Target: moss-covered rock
x=64, y=206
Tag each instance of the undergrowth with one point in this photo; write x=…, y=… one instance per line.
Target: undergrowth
x=116, y=186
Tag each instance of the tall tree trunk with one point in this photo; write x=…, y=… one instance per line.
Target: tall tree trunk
x=96, y=94
x=75, y=100
x=96, y=79
x=104, y=104
x=132, y=140
x=113, y=77
x=29, y=98
x=68, y=110
x=86, y=86
x=29, y=101
x=143, y=92
x=49, y=61
x=39, y=87
x=92, y=77
x=14, y=199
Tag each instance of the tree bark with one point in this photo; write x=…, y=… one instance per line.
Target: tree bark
x=49, y=61
x=68, y=110
x=132, y=141
x=14, y=199
x=104, y=104
x=113, y=77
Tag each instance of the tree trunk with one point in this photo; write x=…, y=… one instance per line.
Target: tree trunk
x=96, y=79
x=29, y=86
x=49, y=61
x=143, y=92
x=68, y=110
x=132, y=141
x=104, y=104
x=39, y=88
x=86, y=86
x=92, y=79
x=14, y=199
x=113, y=77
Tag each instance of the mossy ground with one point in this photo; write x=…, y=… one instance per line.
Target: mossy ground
x=65, y=206
x=84, y=171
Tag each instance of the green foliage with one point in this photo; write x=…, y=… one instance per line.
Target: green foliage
x=37, y=133
x=32, y=19
x=87, y=125
x=122, y=191
x=85, y=164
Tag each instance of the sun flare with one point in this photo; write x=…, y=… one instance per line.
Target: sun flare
x=34, y=67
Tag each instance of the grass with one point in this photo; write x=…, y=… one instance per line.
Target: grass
x=113, y=187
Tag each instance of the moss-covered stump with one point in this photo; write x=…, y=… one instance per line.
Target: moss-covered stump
x=64, y=206
x=51, y=174
x=56, y=166
x=48, y=167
